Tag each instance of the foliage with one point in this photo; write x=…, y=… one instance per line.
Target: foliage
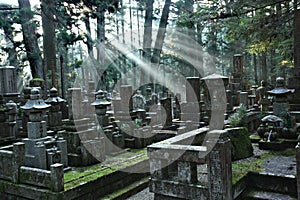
x=237, y=119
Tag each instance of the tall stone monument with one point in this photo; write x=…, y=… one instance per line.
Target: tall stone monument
x=8, y=82
x=294, y=80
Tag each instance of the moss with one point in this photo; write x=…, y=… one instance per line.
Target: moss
x=81, y=175
x=291, y=152
x=241, y=144
x=37, y=79
x=241, y=169
x=254, y=137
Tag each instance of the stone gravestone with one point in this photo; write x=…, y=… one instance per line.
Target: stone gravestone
x=85, y=144
x=8, y=82
x=190, y=110
x=41, y=150
x=55, y=114
x=237, y=74
x=294, y=80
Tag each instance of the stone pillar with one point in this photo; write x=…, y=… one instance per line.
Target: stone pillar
x=298, y=168
x=8, y=83
x=219, y=166
x=57, y=177
x=167, y=105
x=12, y=118
x=125, y=93
x=193, y=89
x=294, y=80
x=243, y=96
x=74, y=102
x=18, y=160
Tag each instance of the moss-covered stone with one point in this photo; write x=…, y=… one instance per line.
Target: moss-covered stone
x=240, y=142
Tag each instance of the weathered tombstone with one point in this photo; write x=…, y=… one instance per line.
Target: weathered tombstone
x=74, y=102
x=215, y=98
x=41, y=150
x=243, y=96
x=190, y=109
x=8, y=83
x=294, y=80
x=237, y=77
x=83, y=142
x=193, y=89
x=167, y=105
x=55, y=114
x=8, y=112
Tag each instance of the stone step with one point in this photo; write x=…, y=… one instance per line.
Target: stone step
x=130, y=190
x=265, y=195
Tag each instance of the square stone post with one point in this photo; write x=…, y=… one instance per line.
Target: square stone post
x=18, y=160
x=219, y=166
x=57, y=177
x=298, y=169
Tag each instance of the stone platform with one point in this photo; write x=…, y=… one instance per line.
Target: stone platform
x=91, y=182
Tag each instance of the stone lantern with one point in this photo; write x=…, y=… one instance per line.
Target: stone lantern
x=55, y=114
x=41, y=150
x=280, y=94
x=12, y=117
x=36, y=127
x=101, y=105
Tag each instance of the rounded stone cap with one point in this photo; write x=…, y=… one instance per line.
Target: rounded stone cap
x=11, y=105
x=53, y=92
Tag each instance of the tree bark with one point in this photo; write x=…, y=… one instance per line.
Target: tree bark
x=147, y=38
x=264, y=75
x=161, y=33
x=160, y=38
x=30, y=39
x=89, y=41
x=49, y=40
x=255, y=69
x=100, y=33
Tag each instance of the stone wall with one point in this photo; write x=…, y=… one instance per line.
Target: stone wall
x=184, y=171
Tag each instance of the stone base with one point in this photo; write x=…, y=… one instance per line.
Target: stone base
x=277, y=145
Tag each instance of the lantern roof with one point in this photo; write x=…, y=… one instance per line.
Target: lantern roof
x=35, y=102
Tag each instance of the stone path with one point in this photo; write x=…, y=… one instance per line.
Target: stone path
x=143, y=195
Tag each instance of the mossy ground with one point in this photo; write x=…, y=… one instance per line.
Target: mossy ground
x=80, y=175
x=241, y=168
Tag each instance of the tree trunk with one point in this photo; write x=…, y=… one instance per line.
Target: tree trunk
x=255, y=69
x=147, y=38
x=264, y=75
x=100, y=33
x=49, y=41
x=89, y=41
x=161, y=33
x=160, y=39
x=30, y=39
